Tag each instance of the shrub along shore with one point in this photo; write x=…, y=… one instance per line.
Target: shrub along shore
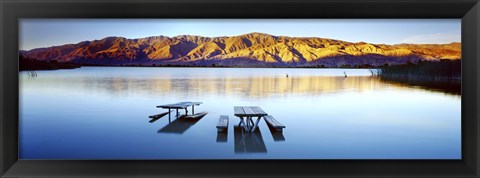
x=442, y=70
x=28, y=64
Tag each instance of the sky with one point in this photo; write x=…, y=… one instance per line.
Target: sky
x=37, y=33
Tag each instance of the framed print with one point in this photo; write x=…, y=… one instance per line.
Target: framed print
x=278, y=88
x=353, y=98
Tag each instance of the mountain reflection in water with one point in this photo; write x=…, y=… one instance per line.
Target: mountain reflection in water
x=257, y=87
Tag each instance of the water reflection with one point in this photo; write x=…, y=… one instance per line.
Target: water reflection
x=350, y=118
x=179, y=125
x=258, y=87
x=277, y=136
x=248, y=142
x=447, y=87
x=222, y=137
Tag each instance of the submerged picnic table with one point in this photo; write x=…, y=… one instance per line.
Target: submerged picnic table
x=181, y=105
x=246, y=113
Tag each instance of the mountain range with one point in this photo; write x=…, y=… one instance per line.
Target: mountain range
x=248, y=50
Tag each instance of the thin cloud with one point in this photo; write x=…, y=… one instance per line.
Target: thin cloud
x=437, y=38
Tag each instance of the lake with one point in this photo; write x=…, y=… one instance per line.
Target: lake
x=102, y=113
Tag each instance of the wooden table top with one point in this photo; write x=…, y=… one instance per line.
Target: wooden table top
x=181, y=105
x=249, y=111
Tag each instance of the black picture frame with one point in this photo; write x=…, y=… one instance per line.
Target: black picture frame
x=467, y=10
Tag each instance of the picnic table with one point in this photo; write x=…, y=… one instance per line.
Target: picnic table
x=246, y=113
x=181, y=105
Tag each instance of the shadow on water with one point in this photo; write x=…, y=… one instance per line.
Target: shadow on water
x=222, y=137
x=277, y=136
x=179, y=125
x=246, y=142
x=453, y=87
x=440, y=76
x=249, y=142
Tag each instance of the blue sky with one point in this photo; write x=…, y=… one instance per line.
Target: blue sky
x=36, y=33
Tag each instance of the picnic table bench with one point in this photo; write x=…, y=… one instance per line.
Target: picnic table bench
x=222, y=123
x=157, y=116
x=273, y=123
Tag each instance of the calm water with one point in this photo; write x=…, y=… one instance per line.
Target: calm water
x=102, y=113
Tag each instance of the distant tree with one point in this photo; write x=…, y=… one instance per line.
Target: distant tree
x=410, y=63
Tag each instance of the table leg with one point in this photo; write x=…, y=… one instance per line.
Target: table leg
x=193, y=109
x=186, y=111
x=251, y=125
x=242, y=122
x=169, y=113
x=256, y=124
x=177, y=112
